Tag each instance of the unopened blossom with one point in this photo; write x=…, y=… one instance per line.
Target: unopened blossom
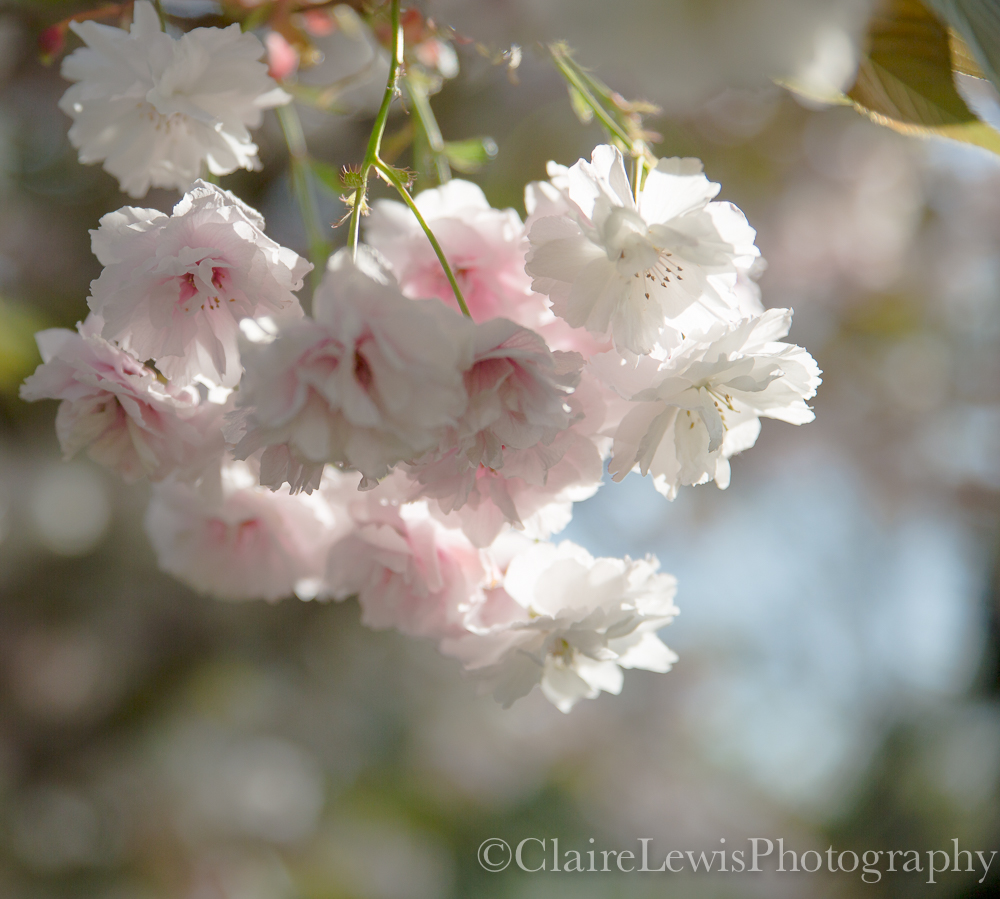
x=156, y=109
x=373, y=380
x=174, y=288
x=235, y=540
x=701, y=406
x=569, y=622
x=115, y=407
x=484, y=246
x=408, y=571
x=624, y=267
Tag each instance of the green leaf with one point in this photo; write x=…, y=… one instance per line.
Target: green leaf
x=906, y=73
x=978, y=23
x=962, y=59
x=977, y=133
x=470, y=155
x=905, y=78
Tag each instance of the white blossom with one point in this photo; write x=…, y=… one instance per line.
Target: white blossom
x=157, y=109
x=114, y=407
x=569, y=622
x=375, y=379
x=702, y=405
x=174, y=288
x=614, y=265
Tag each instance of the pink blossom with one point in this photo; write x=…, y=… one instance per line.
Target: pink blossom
x=282, y=57
x=514, y=457
x=375, y=379
x=157, y=109
x=408, y=570
x=536, y=487
x=234, y=540
x=174, y=288
x=484, y=246
x=115, y=407
x=534, y=491
x=517, y=393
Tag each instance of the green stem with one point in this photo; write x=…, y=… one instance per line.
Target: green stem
x=161, y=14
x=569, y=72
x=425, y=116
x=375, y=141
x=390, y=175
x=302, y=188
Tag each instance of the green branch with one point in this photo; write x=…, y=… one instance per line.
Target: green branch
x=622, y=124
x=375, y=141
x=390, y=175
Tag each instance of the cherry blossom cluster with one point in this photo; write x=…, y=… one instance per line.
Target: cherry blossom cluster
x=389, y=447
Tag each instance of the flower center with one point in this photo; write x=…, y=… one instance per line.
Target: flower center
x=562, y=653
x=165, y=122
x=204, y=287
x=362, y=371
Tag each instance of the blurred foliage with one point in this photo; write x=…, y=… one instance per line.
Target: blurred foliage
x=18, y=353
x=468, y=156
x=978, y=23
x=905, y=78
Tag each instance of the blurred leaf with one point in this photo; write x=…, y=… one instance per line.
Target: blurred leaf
x=18, y=353
x=470, y=155
x=906, y=72
x=327, y=98
x=905, y=79
x=884, y=316
x=978, y=22
x=580, y=105
x=331, y=178
x=394, y=145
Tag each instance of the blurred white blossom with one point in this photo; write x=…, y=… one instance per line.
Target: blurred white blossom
x=569, y=622
x=156, y=109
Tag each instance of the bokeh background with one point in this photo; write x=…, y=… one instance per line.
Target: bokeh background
x=839, y=676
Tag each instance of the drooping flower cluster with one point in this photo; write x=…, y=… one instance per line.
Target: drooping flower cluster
x=156, y=109
x=389, y=448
